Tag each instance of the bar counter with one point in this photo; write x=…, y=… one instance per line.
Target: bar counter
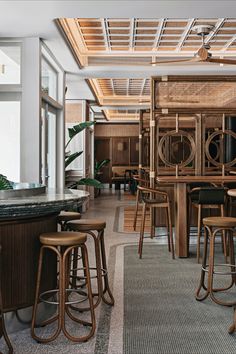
x=22, y=220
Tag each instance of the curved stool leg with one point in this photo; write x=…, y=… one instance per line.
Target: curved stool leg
x=170, y=233
x=140, y=248
x=64, y=306
x=203, y=273
x=136, y=209
x=57, y=317
x=106, y=288
x=232, y=327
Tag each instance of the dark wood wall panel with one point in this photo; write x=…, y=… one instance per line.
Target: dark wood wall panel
x=120, y=151
x=102, y=152
x=20, y=251
x=119, y=143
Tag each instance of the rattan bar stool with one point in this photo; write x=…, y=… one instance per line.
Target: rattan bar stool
x=62, y=244
x=213, y=225
x=95, y=228
x=3, y=331
x=65, y=216
x=153, y=198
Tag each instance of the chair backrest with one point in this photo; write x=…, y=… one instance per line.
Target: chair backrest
x=211, y=195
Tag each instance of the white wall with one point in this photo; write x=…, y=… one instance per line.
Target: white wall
x=30, y=113
x=10, y=140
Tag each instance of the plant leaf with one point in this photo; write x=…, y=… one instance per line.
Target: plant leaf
x=4, y=183
x=76, y=129
x=72, y=157
x=90, y=182
x=100, y=164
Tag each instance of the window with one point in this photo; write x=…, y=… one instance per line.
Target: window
x=49, y=80
x=10, y=58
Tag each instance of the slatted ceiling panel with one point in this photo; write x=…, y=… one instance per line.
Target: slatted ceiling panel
x=123, y=87
x=101, y=41
x=122, y=114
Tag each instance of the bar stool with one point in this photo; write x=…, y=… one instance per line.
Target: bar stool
x=62, y=243
x=95, y=228
x=206, y=198
x=213, y=225
x=65, y=216
x=160, y=200
x=3, y=331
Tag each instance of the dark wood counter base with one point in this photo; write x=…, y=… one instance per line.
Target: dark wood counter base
x=20, y=251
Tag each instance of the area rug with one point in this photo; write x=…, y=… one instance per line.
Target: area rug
x=129, y=219
x=156, y=311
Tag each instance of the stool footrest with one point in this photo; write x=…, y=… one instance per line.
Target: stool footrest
x=103, y=271
x=220, y=265
x=56, y=291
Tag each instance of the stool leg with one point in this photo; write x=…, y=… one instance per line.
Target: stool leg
x=136, y=209
x=90, y=298
x=104, y=266
x=211, y=290
x=57, y=317
x=3, y=331
x=232, y=328
x=199, y=231
x=203, y=271
x=170, y=233
x=140, y=248
x=168, y=229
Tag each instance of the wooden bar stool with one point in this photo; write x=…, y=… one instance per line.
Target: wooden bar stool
x=160, y=200
x=3, y=331
x=62, y=243
x=95, y=228
x=206, y=198
x=65, y=216
x=213, y=225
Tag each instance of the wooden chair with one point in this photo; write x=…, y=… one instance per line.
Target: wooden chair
x=153, y=198
x=206, y=198
x=141, y=183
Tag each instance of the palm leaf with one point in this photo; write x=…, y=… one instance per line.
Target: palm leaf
x=90, y=182
x=76, y=129
x=100, y=164
x=4, y=183
x=72, y=157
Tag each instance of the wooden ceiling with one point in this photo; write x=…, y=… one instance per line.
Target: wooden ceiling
x=123, y=115
x=137, y=41
x=107, y=43
x=121, y=91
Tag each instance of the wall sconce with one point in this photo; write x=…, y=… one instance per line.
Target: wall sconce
x=136, y=146
x=120, y=146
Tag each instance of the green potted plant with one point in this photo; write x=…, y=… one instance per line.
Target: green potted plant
x=5, y=183
x=70, y=157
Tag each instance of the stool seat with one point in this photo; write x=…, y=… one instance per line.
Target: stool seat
x=220, y=221
x=62, y=238
x=67, y=216
x=87, y=224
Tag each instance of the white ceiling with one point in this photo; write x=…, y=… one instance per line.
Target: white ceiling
x=36, y=19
